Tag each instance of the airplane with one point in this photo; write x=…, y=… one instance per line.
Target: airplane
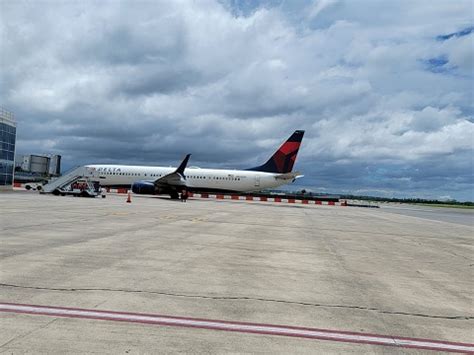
x=275, y=172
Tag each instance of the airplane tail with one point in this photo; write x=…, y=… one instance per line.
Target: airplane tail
x=284, y=158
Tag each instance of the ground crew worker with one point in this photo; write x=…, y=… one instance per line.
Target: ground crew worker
x=184, y=196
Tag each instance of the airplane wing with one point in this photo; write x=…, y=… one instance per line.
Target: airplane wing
x=176, y=178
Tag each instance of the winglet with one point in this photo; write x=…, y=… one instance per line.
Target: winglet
x=183, y=164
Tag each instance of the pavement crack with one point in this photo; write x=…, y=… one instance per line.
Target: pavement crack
x=24, y=335
x=244, y=298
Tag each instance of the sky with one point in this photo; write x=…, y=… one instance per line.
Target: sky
x=383, y=89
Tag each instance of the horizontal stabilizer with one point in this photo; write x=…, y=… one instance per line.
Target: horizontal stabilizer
x=288, y=176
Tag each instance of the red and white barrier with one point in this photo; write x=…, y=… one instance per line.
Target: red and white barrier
x=266, y=199
x=117, y=191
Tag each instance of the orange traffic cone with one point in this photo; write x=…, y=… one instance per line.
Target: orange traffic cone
x=129, y=198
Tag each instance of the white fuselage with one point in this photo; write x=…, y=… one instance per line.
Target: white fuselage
x=196, y=178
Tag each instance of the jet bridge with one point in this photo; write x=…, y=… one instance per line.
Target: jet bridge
x=62, y=185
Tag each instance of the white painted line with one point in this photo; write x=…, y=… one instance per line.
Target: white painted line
x=265, y=329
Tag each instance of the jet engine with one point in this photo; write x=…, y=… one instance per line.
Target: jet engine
x=144, y=188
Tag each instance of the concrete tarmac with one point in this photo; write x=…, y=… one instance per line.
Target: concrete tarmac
x=339, y=268
x=443, y=214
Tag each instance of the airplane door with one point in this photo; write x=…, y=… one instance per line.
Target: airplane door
x=257, y=180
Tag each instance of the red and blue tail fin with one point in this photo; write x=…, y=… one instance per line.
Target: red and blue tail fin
x=284, y=158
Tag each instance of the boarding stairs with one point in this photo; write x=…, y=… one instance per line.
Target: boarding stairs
x=79, y=172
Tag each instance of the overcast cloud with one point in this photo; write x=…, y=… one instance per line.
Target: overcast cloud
x=384, y=89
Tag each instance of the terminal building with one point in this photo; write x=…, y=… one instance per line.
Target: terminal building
x=7, y=148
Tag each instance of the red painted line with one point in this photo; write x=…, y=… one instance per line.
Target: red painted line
x=255, y=328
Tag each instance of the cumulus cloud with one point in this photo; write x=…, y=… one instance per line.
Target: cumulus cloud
x=383, y=89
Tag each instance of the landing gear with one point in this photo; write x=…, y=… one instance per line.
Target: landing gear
x=174, y=195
